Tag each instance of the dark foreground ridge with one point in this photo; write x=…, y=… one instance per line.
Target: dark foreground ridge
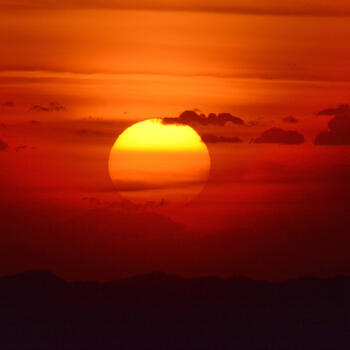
x=158, y=311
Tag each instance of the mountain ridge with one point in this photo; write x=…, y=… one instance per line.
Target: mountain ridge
x=160, y=311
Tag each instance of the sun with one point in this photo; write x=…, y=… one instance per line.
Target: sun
x=152, y=162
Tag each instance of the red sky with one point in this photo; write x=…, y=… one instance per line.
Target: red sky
x=74, y=75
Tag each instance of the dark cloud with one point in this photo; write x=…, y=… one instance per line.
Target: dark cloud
x=193, y=118
x=290, y=119
x=51, y=107
x=210, y=138
x=3, y=145
x=340, y=124
x=343, y=109
x=8, y=104
x=339, y=127
x=277, y=135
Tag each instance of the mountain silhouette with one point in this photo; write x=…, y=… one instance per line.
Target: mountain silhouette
x=39, y=310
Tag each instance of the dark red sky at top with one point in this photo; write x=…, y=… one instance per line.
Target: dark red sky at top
x=73, y=77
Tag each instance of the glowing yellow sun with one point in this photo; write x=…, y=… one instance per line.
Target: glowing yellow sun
x=154, y=162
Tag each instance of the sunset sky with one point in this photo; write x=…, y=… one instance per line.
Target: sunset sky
x=75, y=74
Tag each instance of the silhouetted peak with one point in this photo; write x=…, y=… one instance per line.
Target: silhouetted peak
x=155, y=276
x=159, y=275
x=226, y=312
x=242, y=279
x=39, y=274
x=35, y=278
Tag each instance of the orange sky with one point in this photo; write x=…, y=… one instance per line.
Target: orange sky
x=107, y=62
x=75, y=74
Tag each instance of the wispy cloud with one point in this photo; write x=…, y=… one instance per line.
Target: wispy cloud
x=51, y=107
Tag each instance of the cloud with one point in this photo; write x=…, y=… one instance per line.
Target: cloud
x=51, y=107
x=339, y=133
x=210, y=138
x=8, y=104
x=56, y=107
x=38, y=108
x=3, y=145
x=290, y=119
x=193, y=118
x=130, y=186
x=339, y=127
x=343, y=109
x=277, y=135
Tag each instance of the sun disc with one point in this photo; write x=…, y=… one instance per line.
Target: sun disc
x=154, y=162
